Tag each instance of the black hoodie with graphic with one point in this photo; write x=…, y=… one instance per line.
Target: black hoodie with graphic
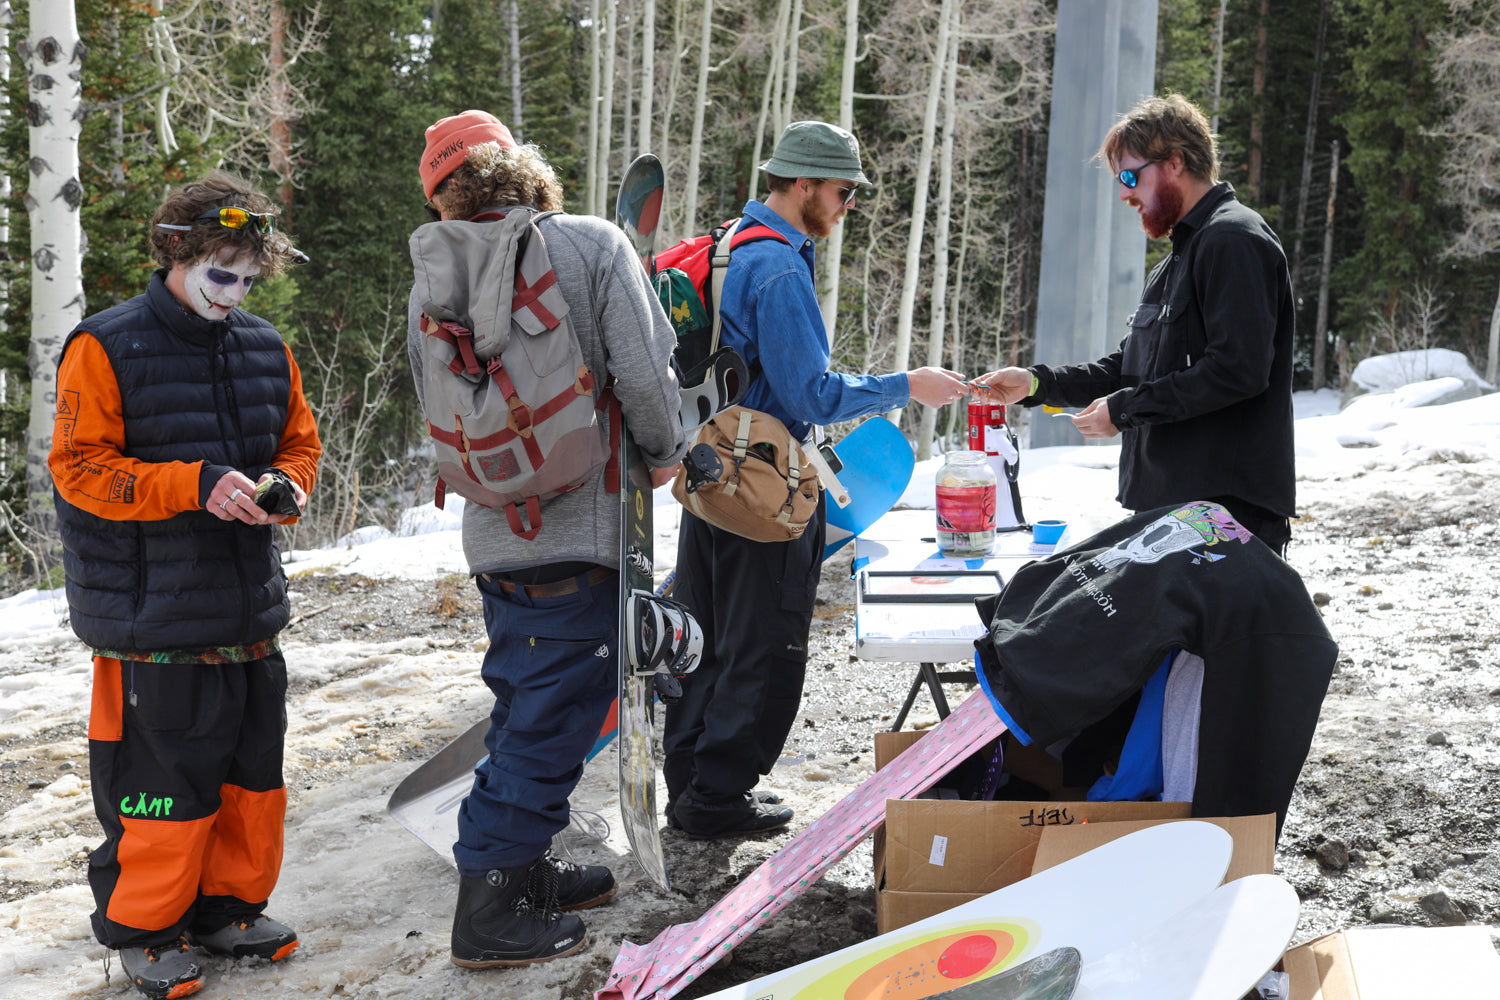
x=1074, y=636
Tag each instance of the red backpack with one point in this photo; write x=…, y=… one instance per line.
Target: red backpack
x=689, y=279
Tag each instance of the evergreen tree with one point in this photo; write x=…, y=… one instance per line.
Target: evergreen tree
x=1393, y=159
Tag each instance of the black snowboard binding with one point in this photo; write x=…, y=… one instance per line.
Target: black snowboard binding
x=664, y=640
x=712, y=386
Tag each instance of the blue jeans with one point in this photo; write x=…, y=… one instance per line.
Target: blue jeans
x=552, y=666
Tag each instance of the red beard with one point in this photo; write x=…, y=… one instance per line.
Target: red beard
x=1158, y=220
x=816, y=220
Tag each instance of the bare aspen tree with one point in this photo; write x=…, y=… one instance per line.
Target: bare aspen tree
x=53, y=57
x=912, y=274
x=1218, y=63
x=789, y=88
x=7, y=21
x=1001, y=84
x=280, y=87
x=674, y=82
x=191, y=47
x=648, y=72
x=591, y=169
x=776, y=80
x=833, y=255
x=767, y=106
x=939, y=311
x=1469, y=67
x=627, y=134
x=169, y=64
x=517, y=123
x=1310, y=137
x=1320, y=327
x=606, y=114
x=700, y=102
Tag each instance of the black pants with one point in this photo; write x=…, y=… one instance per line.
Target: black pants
x=1272, y=529
x=754, y=601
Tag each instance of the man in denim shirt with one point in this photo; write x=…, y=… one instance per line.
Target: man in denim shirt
x=754, y=600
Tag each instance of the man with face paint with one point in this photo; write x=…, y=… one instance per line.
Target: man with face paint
x=1201, y=387
x=171, y=408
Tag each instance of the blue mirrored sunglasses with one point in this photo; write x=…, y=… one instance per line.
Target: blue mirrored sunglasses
x=1131, y=176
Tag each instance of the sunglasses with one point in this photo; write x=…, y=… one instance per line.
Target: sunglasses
x=232, y=218
x=432, y=211
x=848, y=193
x=1131, y=176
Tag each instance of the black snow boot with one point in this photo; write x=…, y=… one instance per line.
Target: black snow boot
x=163, y=972
x=495, y=924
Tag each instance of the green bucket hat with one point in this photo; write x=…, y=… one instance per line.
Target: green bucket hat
x=817, y=149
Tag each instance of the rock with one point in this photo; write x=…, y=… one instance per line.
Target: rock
x=1442, y=909
x=1320, y=599
x=1384, y=913
x=1333, y=853
x=1438, y=739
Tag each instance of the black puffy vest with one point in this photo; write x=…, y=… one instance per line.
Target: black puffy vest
x=191, y=390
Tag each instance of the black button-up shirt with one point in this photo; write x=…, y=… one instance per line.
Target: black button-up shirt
x=1201, y=386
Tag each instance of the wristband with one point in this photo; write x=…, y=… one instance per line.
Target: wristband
x=1036, y=384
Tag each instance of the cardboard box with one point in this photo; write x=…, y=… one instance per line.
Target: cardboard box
x=1254, y=841
x=1395, y=963
x=932, y=855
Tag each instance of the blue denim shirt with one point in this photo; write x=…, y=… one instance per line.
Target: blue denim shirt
x=771, y=315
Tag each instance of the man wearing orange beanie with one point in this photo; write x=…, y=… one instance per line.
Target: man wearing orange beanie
x=551, y=599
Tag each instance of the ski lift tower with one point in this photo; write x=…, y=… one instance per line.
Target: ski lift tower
x=1093, y=249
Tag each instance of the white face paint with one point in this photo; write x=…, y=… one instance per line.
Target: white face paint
x=217, y=284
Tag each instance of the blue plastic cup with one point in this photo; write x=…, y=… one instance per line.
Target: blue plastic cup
x=1047, y=532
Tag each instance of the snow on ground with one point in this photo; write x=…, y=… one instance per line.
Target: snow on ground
x=372, y=903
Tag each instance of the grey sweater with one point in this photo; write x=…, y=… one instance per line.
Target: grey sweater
x=624, y=334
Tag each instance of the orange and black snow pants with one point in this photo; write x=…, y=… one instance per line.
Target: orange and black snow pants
x=185, y=762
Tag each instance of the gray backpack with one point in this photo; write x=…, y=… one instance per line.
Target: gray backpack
x=512, y=407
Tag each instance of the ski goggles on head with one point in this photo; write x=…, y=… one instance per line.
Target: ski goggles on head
x=1131, y=176
x=232, y=218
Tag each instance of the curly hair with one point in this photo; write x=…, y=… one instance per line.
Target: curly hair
x=494, y=177
x=271, y=252
x=1158, y=125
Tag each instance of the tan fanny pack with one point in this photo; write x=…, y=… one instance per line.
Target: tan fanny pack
x=746, y=474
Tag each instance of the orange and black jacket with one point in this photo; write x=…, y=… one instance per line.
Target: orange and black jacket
x=154, y=405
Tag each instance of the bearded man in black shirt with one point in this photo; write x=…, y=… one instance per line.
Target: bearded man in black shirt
x=1201, y=386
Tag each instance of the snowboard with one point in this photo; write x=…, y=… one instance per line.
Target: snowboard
x=1097, y=903
x=637, y=211
x=877, y=465
x=1216, y=948
x=682, y=952
x=426, y=801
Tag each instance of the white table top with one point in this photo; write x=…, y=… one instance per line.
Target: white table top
x=906, y=541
